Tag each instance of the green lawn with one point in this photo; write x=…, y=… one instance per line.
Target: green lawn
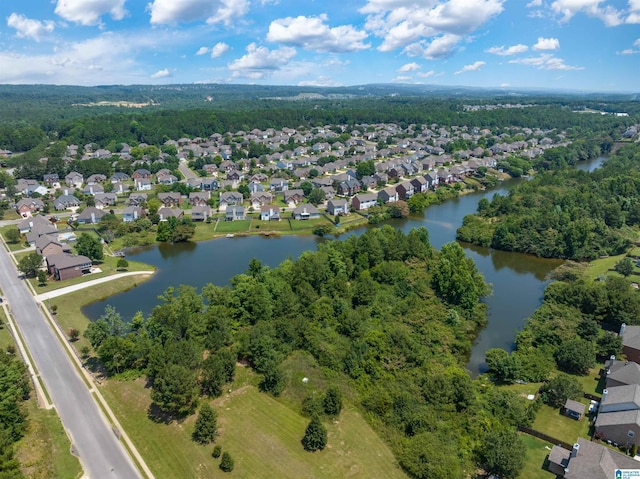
x=5, y=336
x=602, y=267
x=44, y=451
x=537, y=452
x=262, y=435
x=297, y=225
x=592, y=383
x=69, y=313
x=233, y=226
x=265, y=226
x=551, y=422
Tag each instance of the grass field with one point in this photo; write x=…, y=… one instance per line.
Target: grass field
x=263, y=226
x=262, y=435
x=5, y=336
x=233, y=226
x=602, y=267
x=537, y=452
x=593, y=382
x=551, y=422
x=45, y=451
x=69, y=313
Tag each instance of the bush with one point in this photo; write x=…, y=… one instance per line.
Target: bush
x=217, y=451
x=122, y=263
x=74, y=334
x=312, y=406
x=560, y=388
x=315, y=436
x=227, y=464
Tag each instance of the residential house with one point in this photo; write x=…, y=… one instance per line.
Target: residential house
x=349, y=187
x=199, y=198
x=388, y=194
x=200, y=212
x=260, y=199
x=165, y=213
x=67, y=266
x=74, y=179
x=142, y=174
x=620, y=427
x=39, y=230
x=132, y=213
x=209, y=184
x=230, y=198
x=620, y=398
x=432, y=179
x=337, y=207
x=420, y=184
x=588, y=460
x=96, y=178
x=621, y=373
x=364, y=201
x=255, y=187
x=170, y=199
x=235, y=175
x=234, y=213
x=143, y=184
x=65, y=202
x=306, y=211
x=405, y=190
x=136, y=199
x=166, y=179
x=90, y=215
x=630, y=342
x=92, y=190
x=329, y=192
x=28, y=206
x=51, y=179
x=47, y=245
x=103, y=200
x=119, y=177
x=269, y=213
x=293, y=197
x=278, y=184
x=34, y=222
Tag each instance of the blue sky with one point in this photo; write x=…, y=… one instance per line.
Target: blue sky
x=591, y=45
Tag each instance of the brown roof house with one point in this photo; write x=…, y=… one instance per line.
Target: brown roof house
x=588, y=460
x=364, y=201
x=166, y=213
x=199, y=198
x=630, y=342
x=27, y=206
x=170, y=200
x=67, y=266
x=269, y=213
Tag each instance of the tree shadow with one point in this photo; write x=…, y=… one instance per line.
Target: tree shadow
x=157, y=415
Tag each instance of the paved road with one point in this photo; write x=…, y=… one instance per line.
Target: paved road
x=87, y=284
x=188, y=173
x=102, y=456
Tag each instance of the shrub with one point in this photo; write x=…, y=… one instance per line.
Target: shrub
x=217, y=451
x=226, y=464
x=332, y=402
x=74, y=334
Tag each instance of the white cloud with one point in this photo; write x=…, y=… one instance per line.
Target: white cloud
x=474, y=67
x=219, y=49
x=507, y=51
x=408, y=24
x=546, y=44
x=428, y=74
x=631, y=51
x=311, y=33
x=401, y=79
x=634, y=12
x=569, y=8
x=29, y=28
x=171, y=12
x=534, y=3
x=202, y=51
x=440, y=47
x=161, y=73
x=409, y=67
x=546, y=61
x=260, y=61
x=637, y=43
x=89, y=12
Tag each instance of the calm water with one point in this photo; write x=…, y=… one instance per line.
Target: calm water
x=518, y=280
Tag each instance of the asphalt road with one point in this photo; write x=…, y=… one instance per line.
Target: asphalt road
x=183, y=166
x=101, y=454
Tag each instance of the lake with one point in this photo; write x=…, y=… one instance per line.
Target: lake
x=517, y=280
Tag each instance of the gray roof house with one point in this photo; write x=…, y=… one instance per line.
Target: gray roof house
x=621, y=427
x=90, y=215
x=234, y=213
x=230, y=198
x=588, y=460
x=166, y=213
x=337, y=207
x=620, y=373
x=620, y=398
x=132, y=213
x=64, y=202
x=306, y=212
x=630, y=342
x=200, y=213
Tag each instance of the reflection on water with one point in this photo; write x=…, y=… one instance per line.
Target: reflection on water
x=518, y=280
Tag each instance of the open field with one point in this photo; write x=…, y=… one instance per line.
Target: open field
x=5, y=336
x=551, y=422
x=602, y=266
x=262, y=435
x=45, y=451
x=593, y=382
x=537, y=452
x=233, y=226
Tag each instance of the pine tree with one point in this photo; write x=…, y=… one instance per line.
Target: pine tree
x=226, y=464
x=206, y=425
x=315, y=437
x=332, y=402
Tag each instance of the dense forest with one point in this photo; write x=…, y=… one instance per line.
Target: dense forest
x=566, y=214
x=14, y=389
x=384, y=311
